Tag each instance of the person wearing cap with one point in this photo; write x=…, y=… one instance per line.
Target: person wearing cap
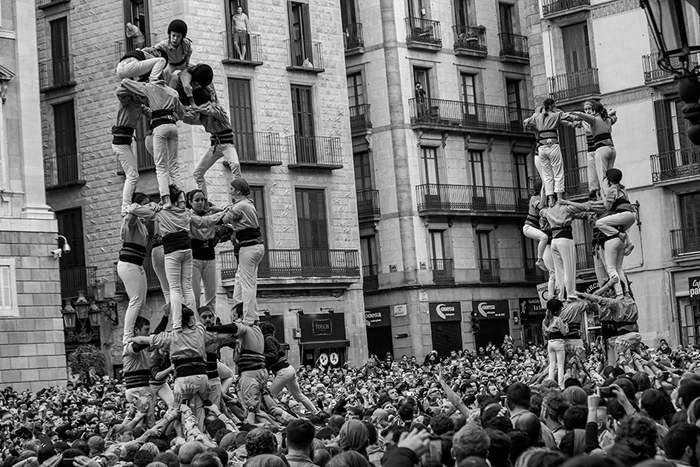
x=212, y=116
x=251, y=358
x=242, y=217
x=166, y=110
x=177, y=48
x=193, y=77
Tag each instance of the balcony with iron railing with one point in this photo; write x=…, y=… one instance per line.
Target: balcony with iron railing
x=152, y=282
x=443, y=270
x=129, y=44
x=77, y=279
x=368, y=205
x=370, y=277
x=514, y=47
x=534, y=273
x=305, y=56
x=62, y=171
x=577, y=85
x=554, y=8
x=685, y=243
x=470, y=200
x=44, y=4
x=56, y=73
x=353, y=40
x=303, y=264
x=459, y=116
x=680, y=165
x=258, y=148
x=235, y=53
x=360, y=120
x=654, y=74
x=315, y=152
x=576, y=183
x=584, y=256
x=470, y=40
x=489, y=270
x=423, y=34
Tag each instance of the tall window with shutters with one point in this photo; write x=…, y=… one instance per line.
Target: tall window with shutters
x=488, y=264
x=8, y=288
x=241, y=108
x=257, y=194
x=301, y=46
x=356, y=100
x=313, y=228
x=577, y=49
x=304, y=128
x=515, y=111
x=690, y=221
x=136, y=12
x=363, y=171
x=469, y=95
x=74, y=275
x=673, y=144
x=66, y=167
x=60, y=52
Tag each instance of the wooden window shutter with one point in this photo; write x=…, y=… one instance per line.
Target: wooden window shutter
x=664, y=126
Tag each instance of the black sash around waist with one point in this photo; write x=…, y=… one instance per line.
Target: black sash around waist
x=203, y=249
x=132, y=253
x=122, y=135
x=176, y=241
x=563, y=232
x=222, y=137
x=189, y=367
x=162, y=117
x=137, y=379
x=602, y=139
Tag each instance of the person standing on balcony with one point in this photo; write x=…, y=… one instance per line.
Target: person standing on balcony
x=242, y=217
x=166, y=111
x=134, y=237
x=548, y=160
x=600, y=122
x=177, y=49
x=421, y=99
x=131, y=109
x=531, y=229
x=134, y=33
x=212, y=116
x=240, y=25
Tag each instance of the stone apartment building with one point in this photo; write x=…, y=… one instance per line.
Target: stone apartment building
x=31, y=330
x=442, y=175
x=288, y=106
x=590, y=49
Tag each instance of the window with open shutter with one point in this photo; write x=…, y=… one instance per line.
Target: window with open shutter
x=311, y=216
x=60, y=62
x=136, y=13
x=66, y=143
x=363, y=171
x=73, y=273
x=303, y=115
x=300, y=33
x=348, y=13
x=577, y=49
x=241, y=108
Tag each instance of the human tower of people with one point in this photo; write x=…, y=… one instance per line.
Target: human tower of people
x=609, y=212
x=159, y=83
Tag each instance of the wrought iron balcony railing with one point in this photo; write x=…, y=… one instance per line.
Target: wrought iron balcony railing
x=77, y=279
x=533, y=273
x=680, y=164
x=151, y=277
x=425, y=32
x=305, y=55
x=470, y=39
x=553, y=7
x=56, y=72
x=370, y=277
x=685, y=242
x=250, y=55
x=457, y=115
x=298, y=263
x=323, y=152
x=435, y=197
x=63, y=170
x=353, y=38
x=576, y=182
x=584, y=256
x=653, y=73
x=258, y=148
x=514, y=46
x=489, y=270
x=443, y=270
x=574, y=85
x=360, y=121
x=368, y=204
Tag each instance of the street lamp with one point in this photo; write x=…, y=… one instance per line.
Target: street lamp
x=68, y=316
x=675, y=25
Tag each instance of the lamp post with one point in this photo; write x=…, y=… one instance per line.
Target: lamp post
x=674, y=25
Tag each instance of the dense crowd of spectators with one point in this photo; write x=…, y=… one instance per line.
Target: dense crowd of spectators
x=495, y=407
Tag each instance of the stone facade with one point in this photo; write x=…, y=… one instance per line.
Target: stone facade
x=407, y=263
x=99, y=197
x=32, y=354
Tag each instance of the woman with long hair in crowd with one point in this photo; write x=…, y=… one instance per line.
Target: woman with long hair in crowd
x=554, y=330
